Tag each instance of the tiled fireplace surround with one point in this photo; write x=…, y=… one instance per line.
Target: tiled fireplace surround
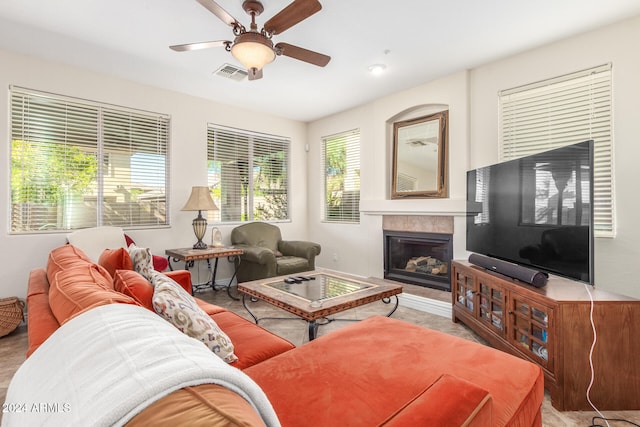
x=421, y=224
x=418, y=223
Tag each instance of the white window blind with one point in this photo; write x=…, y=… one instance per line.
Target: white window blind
x=77, y=163
x=562, y=111
x=248, y=175
x=341, y=163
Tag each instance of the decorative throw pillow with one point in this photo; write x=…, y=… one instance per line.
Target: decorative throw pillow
x=178, y=307
x=115, y=259
x=135, y=286
x=142, y=261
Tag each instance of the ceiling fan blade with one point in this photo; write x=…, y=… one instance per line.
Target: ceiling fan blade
x=254, y=73
x=302, y=54
x=199, y=45
x=215, y=8
x=297, y=11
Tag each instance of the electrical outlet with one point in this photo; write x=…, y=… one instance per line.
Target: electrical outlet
x=335, y=257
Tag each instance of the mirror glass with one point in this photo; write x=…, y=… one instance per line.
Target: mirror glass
x=420, y=157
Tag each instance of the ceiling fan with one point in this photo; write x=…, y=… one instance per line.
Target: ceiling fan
x=253, y=48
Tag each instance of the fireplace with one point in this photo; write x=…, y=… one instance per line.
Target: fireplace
x=418, y=258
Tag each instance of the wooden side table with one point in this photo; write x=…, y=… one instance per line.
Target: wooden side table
x=189, y=256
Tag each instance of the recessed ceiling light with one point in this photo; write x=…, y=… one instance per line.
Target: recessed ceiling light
x=377, y=69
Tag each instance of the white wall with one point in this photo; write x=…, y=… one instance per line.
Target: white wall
x=358, y=248
x=615, y=259
x=473, y=136
x=189, y=118
x=473, y=103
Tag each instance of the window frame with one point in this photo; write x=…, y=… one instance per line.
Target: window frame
x=257, y=143
x=96, y=122
x=353, y=146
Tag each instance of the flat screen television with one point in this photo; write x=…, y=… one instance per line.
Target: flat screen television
x=536, y=211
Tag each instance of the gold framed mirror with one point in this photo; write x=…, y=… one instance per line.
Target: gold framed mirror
x=420, y=157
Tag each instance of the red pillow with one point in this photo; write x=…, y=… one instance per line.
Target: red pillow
x=115, y=259
x=132, y=284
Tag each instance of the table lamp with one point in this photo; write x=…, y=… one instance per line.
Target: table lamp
x=200, y=200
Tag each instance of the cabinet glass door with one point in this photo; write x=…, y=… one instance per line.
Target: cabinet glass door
x=465, y=290
x=491, y=304
x=531, y=324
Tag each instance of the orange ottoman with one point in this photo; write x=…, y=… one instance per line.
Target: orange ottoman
x=366, y=374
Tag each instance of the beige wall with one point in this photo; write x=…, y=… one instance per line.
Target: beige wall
x=189, y=117
x=473, y=103
x=614, y=258
x=473, y=112
x=357, y=248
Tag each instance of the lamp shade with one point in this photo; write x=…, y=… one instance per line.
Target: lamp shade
x=200, y=200
x=253, y=50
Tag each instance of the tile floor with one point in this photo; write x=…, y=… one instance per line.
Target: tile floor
x=14, y=345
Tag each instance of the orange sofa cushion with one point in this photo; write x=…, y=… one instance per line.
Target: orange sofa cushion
x=40, y=318
x=209, y=308
x=63, y=257
x=115, y=259
x=254, y=344
x=80, y=288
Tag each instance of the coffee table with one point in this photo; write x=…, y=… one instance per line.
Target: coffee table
x=326, y=292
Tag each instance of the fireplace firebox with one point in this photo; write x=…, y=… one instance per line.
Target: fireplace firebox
x=418, y=258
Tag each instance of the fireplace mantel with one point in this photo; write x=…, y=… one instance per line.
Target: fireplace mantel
x=437, y=207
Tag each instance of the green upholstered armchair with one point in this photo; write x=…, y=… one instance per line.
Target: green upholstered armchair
x=267, y=255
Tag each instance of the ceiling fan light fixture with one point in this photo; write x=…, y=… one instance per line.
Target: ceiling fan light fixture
x=253, y=50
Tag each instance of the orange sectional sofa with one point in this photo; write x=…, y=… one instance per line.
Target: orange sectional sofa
x=379, y=371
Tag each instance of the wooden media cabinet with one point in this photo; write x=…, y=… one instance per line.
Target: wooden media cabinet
x=551, y=327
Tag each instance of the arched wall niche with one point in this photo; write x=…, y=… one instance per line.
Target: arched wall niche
x=393, y=178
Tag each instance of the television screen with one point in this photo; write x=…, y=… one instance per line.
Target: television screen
x=536, y=211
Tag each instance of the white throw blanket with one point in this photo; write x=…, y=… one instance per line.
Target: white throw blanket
x=108, y=364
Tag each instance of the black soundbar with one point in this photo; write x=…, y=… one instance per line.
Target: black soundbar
x=524, y=274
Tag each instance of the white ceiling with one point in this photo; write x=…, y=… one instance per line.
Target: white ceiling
x=418, y=40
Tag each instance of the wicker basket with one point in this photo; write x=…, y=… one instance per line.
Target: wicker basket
x=11, y=314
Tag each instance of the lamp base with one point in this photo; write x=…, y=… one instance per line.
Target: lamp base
x=199, y=229
x=200, y=245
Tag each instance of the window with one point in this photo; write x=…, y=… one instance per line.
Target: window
x=248, y=175
x=77, y=163
x=562, y=111
x=341, y=162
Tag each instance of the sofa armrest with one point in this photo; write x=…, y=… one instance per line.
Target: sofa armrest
x=299, y=248
x=182, y=277
x=40, y=319
x=449, y=401
x=257, y=254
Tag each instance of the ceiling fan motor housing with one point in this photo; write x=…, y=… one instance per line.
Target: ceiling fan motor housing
x=253, y=7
